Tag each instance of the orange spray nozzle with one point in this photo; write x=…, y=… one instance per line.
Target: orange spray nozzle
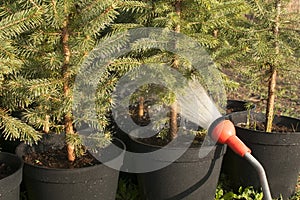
x=223, y=131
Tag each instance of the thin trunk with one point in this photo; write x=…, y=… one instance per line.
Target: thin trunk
x=46, y=127
x=141, y=107
x=173, y=108
x=271, y=101
x=272, y=80
x=66, y=87
x=173, y=121
x=215, y=33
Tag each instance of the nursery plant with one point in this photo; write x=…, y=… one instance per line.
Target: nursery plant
x=201, y=20
x=52, y=54
x=205, y=21
x=267, y=43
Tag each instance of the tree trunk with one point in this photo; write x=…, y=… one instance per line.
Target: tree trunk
x=271, y=101
x=173, y=121
x=215, y=33
x=141, y=107
x=66, y=87
x=273, y=75
x=173, y=108
x=46, y=127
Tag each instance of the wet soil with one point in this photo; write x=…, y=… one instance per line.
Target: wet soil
x=197, y=141
x=57, y=158
x=260, y=126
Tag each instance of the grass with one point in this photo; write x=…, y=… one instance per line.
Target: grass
x=127, y=190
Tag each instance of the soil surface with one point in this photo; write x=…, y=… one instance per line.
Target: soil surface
x=57, y=158
x=197, y=141
x=5, y=170
x=261, y=127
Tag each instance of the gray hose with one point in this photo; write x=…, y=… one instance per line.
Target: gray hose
x=262, y=175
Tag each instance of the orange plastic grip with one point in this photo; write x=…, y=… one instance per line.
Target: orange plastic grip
x=237, y=146
x=224, y=132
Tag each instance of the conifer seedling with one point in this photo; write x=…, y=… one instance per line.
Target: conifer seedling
x=51, y=53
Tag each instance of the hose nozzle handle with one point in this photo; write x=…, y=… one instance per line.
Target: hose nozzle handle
x=223, y=131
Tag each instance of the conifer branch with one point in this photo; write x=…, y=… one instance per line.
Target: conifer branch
x=15, y=129
x=53, y=2
x=19, y=22
x=33, y=3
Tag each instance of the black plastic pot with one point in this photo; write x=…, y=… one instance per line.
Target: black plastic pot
x=10, y=185
x=279, y=153
x=189, y=177
x=238, y=106
x=92, y=183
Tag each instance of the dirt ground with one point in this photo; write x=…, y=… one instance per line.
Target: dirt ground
x=287, y=100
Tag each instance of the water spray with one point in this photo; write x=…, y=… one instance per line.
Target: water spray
x=223, y=131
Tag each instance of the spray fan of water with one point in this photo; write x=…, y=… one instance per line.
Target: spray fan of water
x=197, y=106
